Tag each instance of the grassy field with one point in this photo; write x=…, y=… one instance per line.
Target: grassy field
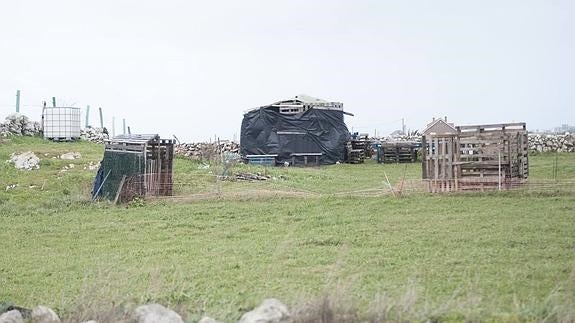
x=481, y=256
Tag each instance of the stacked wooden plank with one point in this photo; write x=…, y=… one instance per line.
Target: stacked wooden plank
x=397, y=152
x=358, y=149
x=355, y=152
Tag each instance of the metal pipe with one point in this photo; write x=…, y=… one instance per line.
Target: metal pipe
x=101, y=185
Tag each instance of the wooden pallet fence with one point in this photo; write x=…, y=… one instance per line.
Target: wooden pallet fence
x=481, y=157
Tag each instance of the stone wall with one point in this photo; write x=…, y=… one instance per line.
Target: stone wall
x=19, y=125
x=537, y=142
x=206, y=151
x=552, y=143
x=96, y=135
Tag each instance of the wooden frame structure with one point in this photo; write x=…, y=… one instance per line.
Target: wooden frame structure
x=477, y=157
x=153, y=175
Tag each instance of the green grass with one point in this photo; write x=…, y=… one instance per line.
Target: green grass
x=511, y=256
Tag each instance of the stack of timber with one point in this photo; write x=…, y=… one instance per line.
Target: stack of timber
x=479, y=157
x=397, y=152
x=358, y=148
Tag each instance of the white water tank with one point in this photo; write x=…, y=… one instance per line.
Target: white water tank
x=61, y=123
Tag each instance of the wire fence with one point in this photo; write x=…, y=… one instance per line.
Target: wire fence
x=209, y=186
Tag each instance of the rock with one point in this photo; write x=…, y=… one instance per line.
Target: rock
x=207, y=319
x=43, y=314
x=12, y=316
x=270, y=310
x=25, y=161
x=71, y=156
x=92, y=166
x=90, y=321
x=155, y=313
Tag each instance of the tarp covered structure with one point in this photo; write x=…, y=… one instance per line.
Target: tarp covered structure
x=313, y=130
x=135, y=166
x=113, y=167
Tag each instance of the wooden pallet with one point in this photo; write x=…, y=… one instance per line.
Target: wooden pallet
x=397, y=152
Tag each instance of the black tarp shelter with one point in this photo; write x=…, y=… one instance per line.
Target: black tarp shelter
x=303, y=126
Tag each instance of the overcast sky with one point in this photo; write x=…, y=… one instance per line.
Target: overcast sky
x=191, y=68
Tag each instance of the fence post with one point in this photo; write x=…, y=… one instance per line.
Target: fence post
x=555, y=166
x=499, y=171
x=18, y=101
x=87, y=116
x=101, y=119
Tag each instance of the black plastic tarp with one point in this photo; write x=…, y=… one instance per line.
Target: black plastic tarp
x=114, y=166
x=266, y=131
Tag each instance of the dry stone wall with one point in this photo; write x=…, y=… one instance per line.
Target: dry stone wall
x=552, y=143
x=97, y=135
x=537, y=142
x=206, y=151
x=19, y=125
